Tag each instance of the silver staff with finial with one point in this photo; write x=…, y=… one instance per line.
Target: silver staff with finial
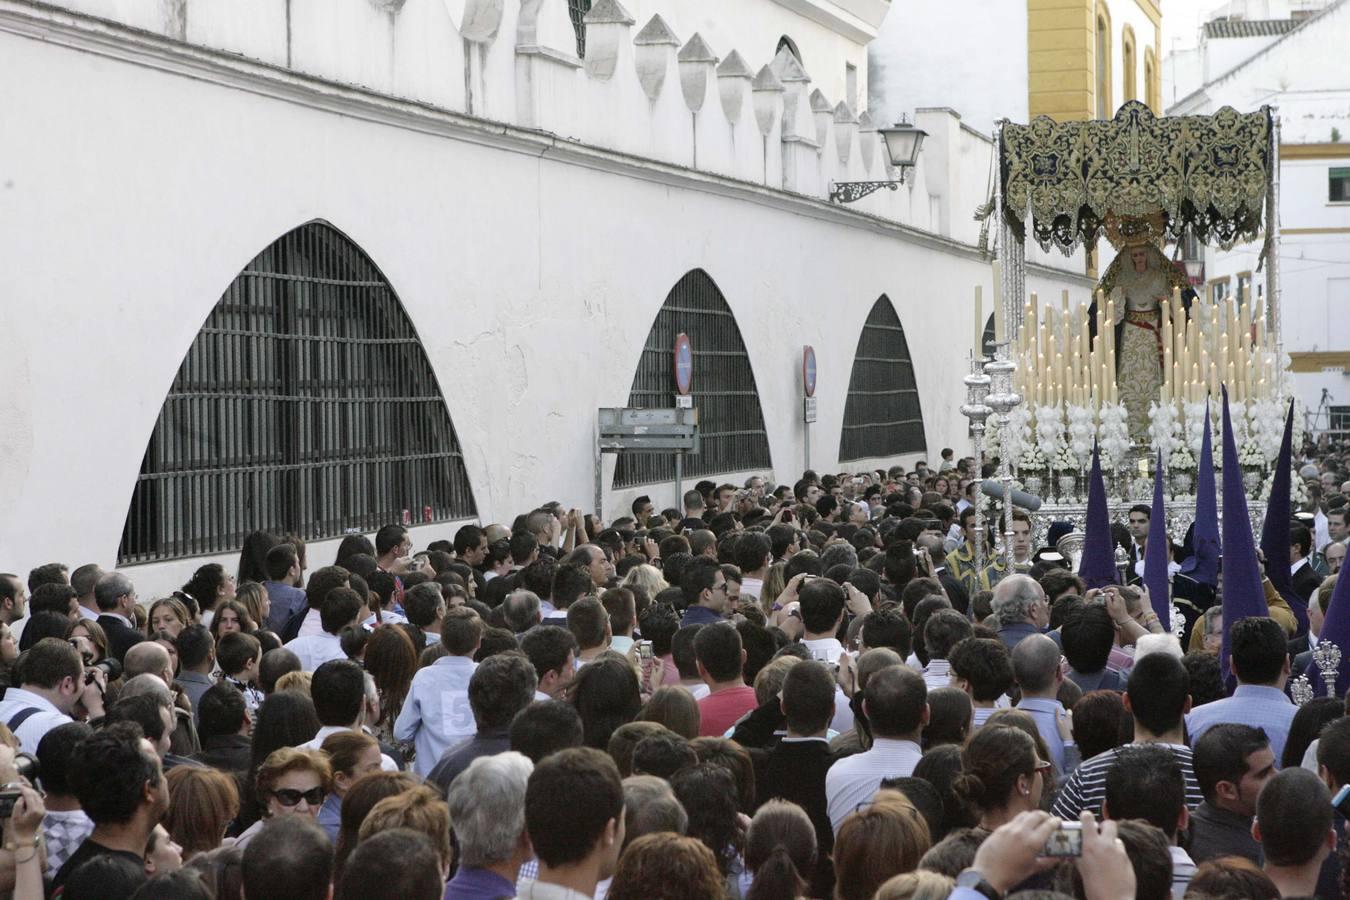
x=1327, y=657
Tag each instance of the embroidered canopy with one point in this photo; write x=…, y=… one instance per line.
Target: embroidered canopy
x=1206, y=173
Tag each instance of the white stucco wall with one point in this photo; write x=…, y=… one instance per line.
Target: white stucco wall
x=970, y=55
x=138, y=181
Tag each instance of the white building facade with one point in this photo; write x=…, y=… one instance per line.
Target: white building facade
x=516, y=220
x=1300, y=71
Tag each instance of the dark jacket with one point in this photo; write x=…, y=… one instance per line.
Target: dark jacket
x=1306, y=582
x=227, y=752
x=795, y=771
x=121, y=636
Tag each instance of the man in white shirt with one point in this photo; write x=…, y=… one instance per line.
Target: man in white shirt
x=339, y=692
x=436, y=713
x=52, y=691
x=341, y=608
x=552, y=652
x=944, y=630
x=896, y=703
x=754, y=555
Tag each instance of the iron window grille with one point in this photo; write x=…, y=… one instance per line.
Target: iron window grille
x=882, y=416
x=577, y=10
x=306, y=405
x=732, y=437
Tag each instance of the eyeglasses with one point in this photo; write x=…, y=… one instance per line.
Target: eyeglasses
x=1044, y=768
x=291, y=797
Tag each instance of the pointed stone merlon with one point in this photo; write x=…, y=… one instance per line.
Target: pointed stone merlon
x=697, y=62
x=867, y=139
x=653, y=51
x=607, y=27
x=822, y=113
x=481, y=20
x=795, y=80
x=845, y=127
x=733, y=81
x=768, y=97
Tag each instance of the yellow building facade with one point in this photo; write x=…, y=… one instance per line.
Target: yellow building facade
x=1087, y=57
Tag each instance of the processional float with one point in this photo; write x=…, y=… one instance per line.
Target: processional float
x=1136, y=372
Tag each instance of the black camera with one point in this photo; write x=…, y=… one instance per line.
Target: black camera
x=111, y=670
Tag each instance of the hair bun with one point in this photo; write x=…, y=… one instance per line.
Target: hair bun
x=970, y=787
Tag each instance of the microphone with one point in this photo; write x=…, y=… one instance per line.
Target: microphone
x=1029, y=502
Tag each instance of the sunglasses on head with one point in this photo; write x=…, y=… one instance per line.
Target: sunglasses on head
x=292, y=797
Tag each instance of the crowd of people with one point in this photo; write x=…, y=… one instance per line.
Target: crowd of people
x=807, y=690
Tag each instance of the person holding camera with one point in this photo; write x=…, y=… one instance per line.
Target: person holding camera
x=54, y=688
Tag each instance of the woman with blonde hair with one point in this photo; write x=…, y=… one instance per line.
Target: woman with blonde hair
x=290, y=782
x=919, y=885
x=422, y=809
x=876, y=842
x=168, y=614
x=673, y=707
x=648, y=578
x=253, y=597
x=780, y=850
x=774, y=583
x=202, y=803
x=666, y=867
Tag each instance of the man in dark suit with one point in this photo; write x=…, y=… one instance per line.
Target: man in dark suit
x=116, y=598
x=795, y=768
x=1306, y=581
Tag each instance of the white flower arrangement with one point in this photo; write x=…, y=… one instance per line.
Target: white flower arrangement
x=1016, y=437
x=1181, y=460
x=992, y=440
x=1081, y=431
x=1251, y=455
x=1049, y=430
x=1114, y=433
x=1237, y=415
x=1065, y=461
x=1162, y=427
x=1298, y=491
x=1195, y=426
x=1032, y=460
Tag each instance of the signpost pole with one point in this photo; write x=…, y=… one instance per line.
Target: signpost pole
x=679, y=477
x=809, y=396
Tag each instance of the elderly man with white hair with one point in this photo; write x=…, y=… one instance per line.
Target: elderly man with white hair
x=1021, y=608
x=487, y=807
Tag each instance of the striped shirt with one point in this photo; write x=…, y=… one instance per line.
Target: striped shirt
x=1086, y=787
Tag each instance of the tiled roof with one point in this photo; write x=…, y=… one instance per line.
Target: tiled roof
x=1247, y=28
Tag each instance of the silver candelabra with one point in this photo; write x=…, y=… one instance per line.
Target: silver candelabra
x=1002, y=400
x=1327, y=657
x=975, y=409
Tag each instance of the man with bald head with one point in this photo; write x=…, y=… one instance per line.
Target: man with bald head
x=1037, y=670
x=1020, y=606
x=148, y=657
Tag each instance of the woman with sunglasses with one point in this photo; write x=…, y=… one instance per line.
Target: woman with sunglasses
x=1004, y=775
x=290, y=782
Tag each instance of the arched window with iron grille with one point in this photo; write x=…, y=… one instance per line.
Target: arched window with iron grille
x=576, y=10
x=305, y=405
x=732, y=437
x=882, y=416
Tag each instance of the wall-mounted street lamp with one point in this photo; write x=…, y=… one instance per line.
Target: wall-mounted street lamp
x=903, y=142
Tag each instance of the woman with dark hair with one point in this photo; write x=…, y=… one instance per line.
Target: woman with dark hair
x=673, y=707
x=707, y=792
x=780, y=851
x=231, y=616
x=211, y=584
x=252, y=561
x=1003, y=774
x=352, y=545
x=950, y=713
x=1307, y=725
x=285, y=719
x=941, y=767
x=88, y=637
x=392, y=662
x=1096, y=722
x=733, y=757
x=606, y=695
